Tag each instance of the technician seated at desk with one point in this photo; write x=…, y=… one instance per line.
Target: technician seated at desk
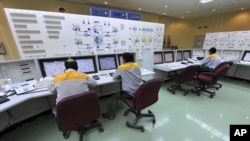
x=70, y=82
x=130, y=75
x=213, y=59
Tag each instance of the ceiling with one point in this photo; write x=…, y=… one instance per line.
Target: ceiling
x=175, y=8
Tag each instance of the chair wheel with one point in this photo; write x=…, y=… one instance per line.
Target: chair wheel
x=142, y=129
x=66, y=134
x=100, y=129
x=127, y=123
x=126, y=113
x=153, y=121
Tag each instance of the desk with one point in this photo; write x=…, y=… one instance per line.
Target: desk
x=21, y=107
x=162, y=70
x=241, y=70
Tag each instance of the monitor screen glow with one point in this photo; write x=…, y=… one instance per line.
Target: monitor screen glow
x=107, y=62
x=179, y=56
x=198, y=53
x=158, y=58
x=246, y=56
x=86, y=65
x=187, y=54
x=168, y=57
x=53, y=68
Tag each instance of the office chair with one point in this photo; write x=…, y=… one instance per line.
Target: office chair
x=217, y=85
x=208, y=79
x=145, y=95
x=181, y=77
x=78, y=112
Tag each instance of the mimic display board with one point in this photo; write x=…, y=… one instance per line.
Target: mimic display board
x=41, y=34
x=237, y=40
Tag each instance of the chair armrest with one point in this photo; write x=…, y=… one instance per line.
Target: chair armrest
x=210, y=74
x=201, y=70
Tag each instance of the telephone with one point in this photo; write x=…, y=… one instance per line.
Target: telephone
x=24, y=88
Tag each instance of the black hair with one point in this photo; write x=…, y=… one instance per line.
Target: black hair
x=71, y=64
x=128, y=57
x=212, y=50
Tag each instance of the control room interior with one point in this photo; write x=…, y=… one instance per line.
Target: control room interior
x=185, y=41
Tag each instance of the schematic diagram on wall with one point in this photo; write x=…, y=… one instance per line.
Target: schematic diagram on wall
x=41, y=34
x=237, y=40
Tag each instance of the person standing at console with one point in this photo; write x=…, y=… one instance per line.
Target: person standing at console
x=130, y=74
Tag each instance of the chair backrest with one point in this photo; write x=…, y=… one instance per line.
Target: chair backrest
x=221, y=71
x=76, y=111
x=230, y=63
x=188, y=73
x=147, y=93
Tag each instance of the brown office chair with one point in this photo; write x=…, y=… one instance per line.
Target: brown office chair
x=208, y=79
x=181, y=77
x=145, y=95
x=78, y=112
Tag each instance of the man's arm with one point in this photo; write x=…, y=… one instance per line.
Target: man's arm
x=117, y=74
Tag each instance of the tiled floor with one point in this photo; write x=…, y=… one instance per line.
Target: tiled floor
x=178, y=118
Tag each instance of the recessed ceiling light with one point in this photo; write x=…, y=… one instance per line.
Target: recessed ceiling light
x=205, y=1
x=182, y=17
x=105, y=2
x=242, y=9
x=188, y=12
x=166, y=6
x=213, y=10
x=164, y=13
x=139, y=8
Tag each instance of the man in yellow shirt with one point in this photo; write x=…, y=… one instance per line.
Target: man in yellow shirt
x=70, y=82
x=130, y=75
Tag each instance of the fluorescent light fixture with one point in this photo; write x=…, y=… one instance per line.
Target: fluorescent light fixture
x=205, y=1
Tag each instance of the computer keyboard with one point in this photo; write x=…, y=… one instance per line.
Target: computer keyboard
x=42, y=84
x=172, y=64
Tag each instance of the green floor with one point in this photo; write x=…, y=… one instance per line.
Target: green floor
x=178, y=118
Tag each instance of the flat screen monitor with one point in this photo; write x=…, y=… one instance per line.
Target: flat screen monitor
x=86, y=64
x=198, y=53
x=158, y=59
x=51, y=67
x=107, y=62
x=179, y=56
x=229, y=55
x=246, y=56
x=186, y=54
x=120, y=59
x=168, y=56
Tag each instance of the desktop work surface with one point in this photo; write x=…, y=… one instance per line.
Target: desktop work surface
x=25, y=105
x=168, y=67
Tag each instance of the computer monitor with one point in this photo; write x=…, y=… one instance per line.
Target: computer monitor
x=230, y=55
x=52, y=66
x=179, y=56
x=246, y=56
x=107, y=62
x=198, y=53
x=158, y=58
x=168, y=56
x=187, y=54
x=120, y=59
x=86, y=64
